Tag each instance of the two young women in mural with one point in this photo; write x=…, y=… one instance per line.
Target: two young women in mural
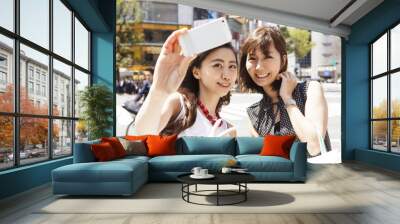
x=188, y=92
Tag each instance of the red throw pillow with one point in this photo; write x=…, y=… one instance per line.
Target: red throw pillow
x=161, y=145
x=275, y=145
x=116, y=145
x=136, y=137
x=103, y=152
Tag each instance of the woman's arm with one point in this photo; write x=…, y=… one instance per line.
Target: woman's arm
x=155, y=113
x=253, y=132
x=315, y=118
x=169, y=73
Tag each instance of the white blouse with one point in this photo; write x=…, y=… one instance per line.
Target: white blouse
x=201, y=126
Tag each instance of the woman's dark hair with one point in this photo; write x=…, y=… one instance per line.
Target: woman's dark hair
x=190, y=89
x=262, y=37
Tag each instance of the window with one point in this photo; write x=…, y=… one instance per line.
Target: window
x=385, y=97
x=34, y=22
x=37, y=74
x=3, y=72
x=7, y=87
x=81, y=45
x=30, y=87
x=3, y=60
x=7, y=143
x=7, y=14
x=62, y=130
x=62, y=74
x=54, y=129
x=38, y=89
x=3, y=78
x=81, y=81
x=44, y=91
x=30, y=72
x=159, y=12
x=62, y=29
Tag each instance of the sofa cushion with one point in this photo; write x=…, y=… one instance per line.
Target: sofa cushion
x=134, y=147
x=249, y=145
x=257, y=163
x=194, y=145
x=111, y=171
x=83, y=152
x=129, y=159
x=185, y=163
x=161, y=145
x=116, y=145
x=103, y=151
x=277, y=145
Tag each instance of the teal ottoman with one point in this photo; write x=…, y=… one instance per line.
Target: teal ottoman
x=118, y=177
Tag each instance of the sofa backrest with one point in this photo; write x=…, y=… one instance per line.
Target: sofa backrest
x=83, y=152
x=249, y=145
x=192, y=145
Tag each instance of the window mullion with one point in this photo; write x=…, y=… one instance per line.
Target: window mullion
x=73, y=82
x=389, y=106
x=16, y=70
x=50, y=81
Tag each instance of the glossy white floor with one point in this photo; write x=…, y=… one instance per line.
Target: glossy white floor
x=378, y=189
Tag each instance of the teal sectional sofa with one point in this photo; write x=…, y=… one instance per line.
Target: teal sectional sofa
x=125, y=176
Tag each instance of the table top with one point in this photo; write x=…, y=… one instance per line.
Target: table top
x=220, y=178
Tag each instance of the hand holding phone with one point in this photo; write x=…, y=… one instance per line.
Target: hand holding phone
x=205, y=37
x=171, y=66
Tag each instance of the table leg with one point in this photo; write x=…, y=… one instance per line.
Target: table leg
x=245, y=193
x=196, y=188
x=217, y=194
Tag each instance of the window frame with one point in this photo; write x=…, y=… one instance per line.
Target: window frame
x=15, y=68
x=388, y=74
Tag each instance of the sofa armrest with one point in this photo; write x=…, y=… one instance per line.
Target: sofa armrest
x=298, y=156
x=83, y=152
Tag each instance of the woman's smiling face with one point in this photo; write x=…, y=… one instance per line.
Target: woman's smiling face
x=264, y=69
x=218, y=72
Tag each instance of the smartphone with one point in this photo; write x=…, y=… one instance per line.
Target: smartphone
x=205, y=37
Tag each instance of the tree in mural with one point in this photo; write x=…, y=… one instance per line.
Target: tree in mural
x=128, y=16
x=33, y=131
x=297, y=41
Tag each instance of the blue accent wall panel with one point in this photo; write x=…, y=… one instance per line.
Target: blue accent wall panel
x=103, y=63
x=356, y=85
x=356, y=99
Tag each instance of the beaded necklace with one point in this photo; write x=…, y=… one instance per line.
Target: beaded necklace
x=207, y=114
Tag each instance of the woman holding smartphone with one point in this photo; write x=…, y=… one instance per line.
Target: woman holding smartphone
x=287, y=107
x=188, y=92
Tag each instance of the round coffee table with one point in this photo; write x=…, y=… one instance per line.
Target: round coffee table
x=238, y=179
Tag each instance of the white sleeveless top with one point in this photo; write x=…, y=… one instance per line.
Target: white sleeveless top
x=201, y=126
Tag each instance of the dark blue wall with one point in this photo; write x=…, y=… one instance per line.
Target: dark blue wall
x=356, y=85
x=24, y=178
x=99, y=16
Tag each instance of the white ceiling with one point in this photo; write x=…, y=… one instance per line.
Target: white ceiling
x=316, y=15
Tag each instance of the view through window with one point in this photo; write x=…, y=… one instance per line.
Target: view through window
x=40, y=80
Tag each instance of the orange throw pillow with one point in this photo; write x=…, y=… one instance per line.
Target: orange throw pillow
x=116, y=145
x=275, y=145
x=161, y=145
x=136, y=137
x=103, y=152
